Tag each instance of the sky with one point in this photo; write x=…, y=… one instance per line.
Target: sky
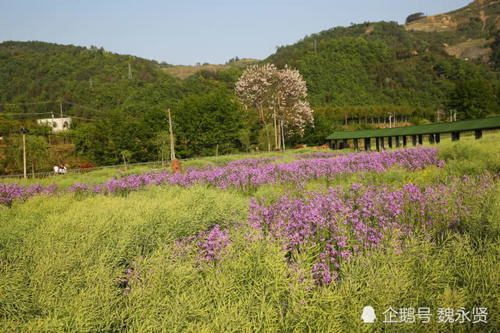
x=185, y=32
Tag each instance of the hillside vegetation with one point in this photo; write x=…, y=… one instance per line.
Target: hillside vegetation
x=355, y=76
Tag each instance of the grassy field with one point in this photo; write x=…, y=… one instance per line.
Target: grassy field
x=130, y=263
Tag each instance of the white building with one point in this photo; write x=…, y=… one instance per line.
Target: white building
x=57, y=124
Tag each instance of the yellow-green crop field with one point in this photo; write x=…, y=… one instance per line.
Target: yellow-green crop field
x=294, y=242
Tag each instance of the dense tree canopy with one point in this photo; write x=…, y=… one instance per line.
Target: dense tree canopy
x=472, y=99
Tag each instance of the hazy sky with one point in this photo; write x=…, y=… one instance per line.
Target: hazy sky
x=190, y=31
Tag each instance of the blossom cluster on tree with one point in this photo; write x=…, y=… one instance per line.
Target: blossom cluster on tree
x=278, y=96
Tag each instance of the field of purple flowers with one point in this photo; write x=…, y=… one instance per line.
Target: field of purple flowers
x=245, y=174
x=253, y=245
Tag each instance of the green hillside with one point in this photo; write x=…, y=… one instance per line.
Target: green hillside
x=355, y=76
x=112, y=111
x=382, y=63
x=38, y=71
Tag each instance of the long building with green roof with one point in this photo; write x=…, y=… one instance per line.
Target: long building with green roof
x=415, y=132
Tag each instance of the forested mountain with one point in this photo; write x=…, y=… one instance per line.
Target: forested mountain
x=355, y=75
x=447, y=62
x=33, y=71
x=387, y=63
x=114, y=109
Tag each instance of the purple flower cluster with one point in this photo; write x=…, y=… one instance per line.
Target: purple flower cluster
x=11, y=192
x=337, y=225
x=206, y=248
x=244, y=177
x=250, y=173
x=209, y=245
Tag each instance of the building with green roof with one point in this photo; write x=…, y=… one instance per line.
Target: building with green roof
x=339, y=139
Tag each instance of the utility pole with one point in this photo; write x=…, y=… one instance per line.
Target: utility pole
x=60, y=108
x=24, y=131
x=315, y=47
x=129, y=71
x=172, y=150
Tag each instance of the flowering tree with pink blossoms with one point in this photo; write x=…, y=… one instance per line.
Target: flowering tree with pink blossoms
x=254, y=89
x=280, y=94
x=290, y=104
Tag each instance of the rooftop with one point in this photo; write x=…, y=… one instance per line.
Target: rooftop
x=458, y=126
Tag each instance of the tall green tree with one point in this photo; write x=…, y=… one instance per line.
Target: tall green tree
x=472, y=99
x=203, y=121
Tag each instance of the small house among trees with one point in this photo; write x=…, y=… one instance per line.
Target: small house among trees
x=57, y=124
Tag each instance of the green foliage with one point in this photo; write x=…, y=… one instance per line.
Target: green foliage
x=471, y=158
x=375, y=64
x=205, y=120
x=61, y=260
x=37, y=153
x=472, y=99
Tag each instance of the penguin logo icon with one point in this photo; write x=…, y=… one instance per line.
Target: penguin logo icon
x=368, y=315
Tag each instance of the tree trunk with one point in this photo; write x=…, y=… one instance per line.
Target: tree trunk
x=265, y=127
x=279, y=135
x=275, y=130
x=33, y=170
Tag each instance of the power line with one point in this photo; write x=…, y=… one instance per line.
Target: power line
x=28, y=103
x=82, y=118
x=22, y=113
x=82, y=106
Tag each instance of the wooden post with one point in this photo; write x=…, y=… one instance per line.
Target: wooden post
x=478, y=134
x=389, y=141
x=437, y=137
x=172, y=149
x=24, y=153
x=356, y=146
x=344, y=144
x=367, y=144
x=455, y=136
x=398, y=144
x=382, y=144
x=420, y=139
x=377, y=142
x=431, y=139
x=414, y=140
x=405, y=141
x=334, y=144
